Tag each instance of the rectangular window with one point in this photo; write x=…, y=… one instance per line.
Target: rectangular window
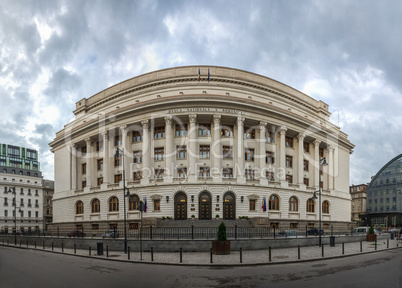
x=227, y=152
x=270, y=176
x=252, y=205
x=181, y=130
x=100, y=164
x=117, y=140
x=29, y=192
x=269, y=157
x=181, y=152
x=132, y=225
x=100, y=181
x=306, y=147
x=137, y=136
x=249, y=134
x=22, y=191
x=117, y=178
x=36, y=214
x=137, y=176
x=99, y=146
x=83, y=150
x=274, y=224
x=29, y=203
x=289, y=142
x=117, y=161
x=95, y=227
x=159, y=132
x=321, y=152
x=227, y=173
x=137, y=157
x=293, y=225
x=157, y=205
x=204, y=172
x=289, y=179
x=227, y=131
x=159, y=173
x=5, y=213
x=306, y=182
x=305, y=165
x=268, y=137
x=204, y=151
x=182, y=172
x=249, y=174
x=159, y=153
x=289, y=161
x=5, y=202
x=84, y=184
x=36, y=193
x=204, y=129
x=249, y=155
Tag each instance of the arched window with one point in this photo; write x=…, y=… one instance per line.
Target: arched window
x=113, y=204
x=95, y=206
x=310, y=205
x=79, y=208
x=325, y=207
x=133, y=202
x=273, y=202
x=293, y=204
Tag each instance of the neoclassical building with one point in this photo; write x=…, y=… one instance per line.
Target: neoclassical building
x=200, y=142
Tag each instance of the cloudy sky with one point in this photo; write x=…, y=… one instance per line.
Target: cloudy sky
x=345, y=53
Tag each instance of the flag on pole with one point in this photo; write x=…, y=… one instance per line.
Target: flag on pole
x=264, y=204
x=199, y=75
x=208, y=75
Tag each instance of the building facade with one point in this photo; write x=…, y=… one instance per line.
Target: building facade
x=384, y=195
x=227, y=143
x=21, y=190
x=48, y=191
x=358, y=195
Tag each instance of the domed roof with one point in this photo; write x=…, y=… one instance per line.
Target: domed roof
x=389, y=174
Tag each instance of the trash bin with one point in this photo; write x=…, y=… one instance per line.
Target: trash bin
x=332, y=241
x=99, y=248
x=392, y=236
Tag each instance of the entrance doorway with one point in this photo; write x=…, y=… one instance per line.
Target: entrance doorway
x=180, y=206
x=229, y=206
x=205, y=212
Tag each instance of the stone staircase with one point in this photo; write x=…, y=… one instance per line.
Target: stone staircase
x=203, y=223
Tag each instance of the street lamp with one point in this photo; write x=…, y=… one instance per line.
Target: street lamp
x=124, y=195
x=15, y=213
x=321, y=163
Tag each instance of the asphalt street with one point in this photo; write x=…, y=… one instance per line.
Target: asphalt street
x=35, y=268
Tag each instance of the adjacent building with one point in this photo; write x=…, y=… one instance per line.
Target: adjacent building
x=21, y=191
x=358, y=195
x=48, y=191
x=384, y=195
x=200, y=142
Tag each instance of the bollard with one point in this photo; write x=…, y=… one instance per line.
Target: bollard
x=269, y=250
x=107, y=251
x=192, y=231
x=62, y=247
x=152, y=253
x=361, y=246
x=128, y=253
x=52, y=247
x=75, y=248
x=298, y=252
x=89, y=250
x=387, y=243
x=210, y=254
x=241, y=255
x=343, y=248
x=376, y=244
x=181, y=255
x=322, y=250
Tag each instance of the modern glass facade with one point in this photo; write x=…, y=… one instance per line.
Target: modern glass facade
x=384, y=195
x=19, y=160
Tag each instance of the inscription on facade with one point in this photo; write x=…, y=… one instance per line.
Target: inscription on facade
x=202, y=109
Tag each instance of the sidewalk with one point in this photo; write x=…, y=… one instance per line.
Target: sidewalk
x=250, y=257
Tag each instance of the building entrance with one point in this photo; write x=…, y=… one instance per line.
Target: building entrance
x=180, y=203
x=229, y=209
x=205, y=212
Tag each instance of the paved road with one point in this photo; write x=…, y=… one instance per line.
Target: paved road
x=35, y=268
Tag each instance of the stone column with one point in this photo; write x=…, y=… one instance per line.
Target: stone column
x=126, y=152
x=146, y=153
x=239, y=162
x=317, y=163
x=169, y=153
x=282, y=158
x=105, y=173
x=192, y=151
x=331, y=168
x=217, y=151
x=300, y=158
x=262, y=153
x=73, y=152
x=88, y=141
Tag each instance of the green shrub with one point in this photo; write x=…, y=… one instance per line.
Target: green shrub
x=193, y=216
x=371, y=230
x=221, y=236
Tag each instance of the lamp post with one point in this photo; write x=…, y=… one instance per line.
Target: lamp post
x=15, y=213
x=124, y=195
x=321, y=163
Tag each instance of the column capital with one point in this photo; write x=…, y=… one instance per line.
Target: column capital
x=331, y=148
x=240, y=121
x=73, y=145
x=317, y=143
x=168, y=120
x=145, y=124
x=193, y=118
x=282, y=130
x=263, y=125
x=217, y=119
x=300, y=136
x=123, y=128
x=105, y=134
x=88, y=141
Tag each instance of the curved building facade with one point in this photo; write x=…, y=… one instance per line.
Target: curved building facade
x=201, y=142
x=384, y=195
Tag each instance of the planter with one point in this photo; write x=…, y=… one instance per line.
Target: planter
x=221, y=247
x=371, y=237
